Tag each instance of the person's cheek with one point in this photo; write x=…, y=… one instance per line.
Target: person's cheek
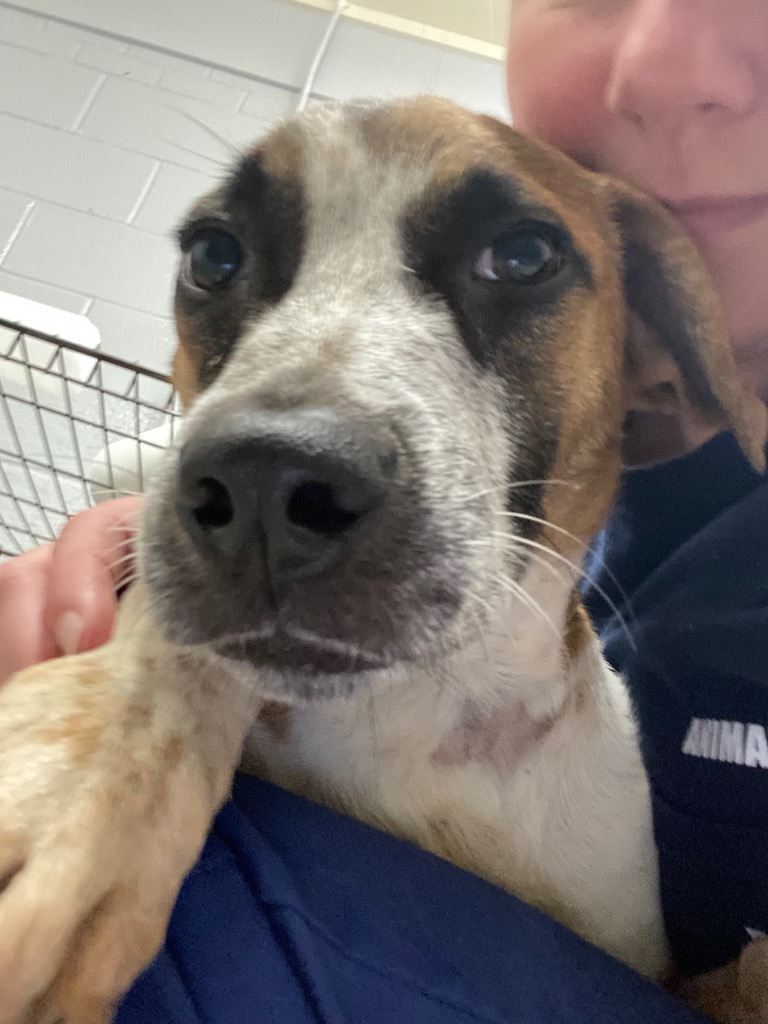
x=558, y=66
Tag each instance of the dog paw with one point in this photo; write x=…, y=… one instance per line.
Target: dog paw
x=103, y=810
x=753, y=979
x=736, y=993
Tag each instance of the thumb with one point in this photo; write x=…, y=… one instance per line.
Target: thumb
x=91, y=559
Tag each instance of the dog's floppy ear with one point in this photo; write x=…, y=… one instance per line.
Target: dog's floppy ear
x=678, y=356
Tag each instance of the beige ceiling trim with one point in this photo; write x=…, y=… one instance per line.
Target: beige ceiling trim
x=408, y=27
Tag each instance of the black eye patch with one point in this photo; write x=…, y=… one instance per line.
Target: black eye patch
x=487, y=210
x=499, y=258
x=241, y=251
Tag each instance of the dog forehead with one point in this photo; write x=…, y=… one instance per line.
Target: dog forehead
x=383, y=156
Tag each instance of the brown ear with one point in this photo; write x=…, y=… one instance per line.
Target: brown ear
x=678, y=354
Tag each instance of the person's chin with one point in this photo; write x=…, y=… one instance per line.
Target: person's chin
x=712, y=221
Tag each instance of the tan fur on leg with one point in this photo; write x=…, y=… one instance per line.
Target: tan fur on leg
x=112, y=767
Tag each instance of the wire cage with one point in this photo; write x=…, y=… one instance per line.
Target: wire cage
x=76, y=426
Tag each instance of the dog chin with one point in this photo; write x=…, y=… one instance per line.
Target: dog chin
x=290, y=664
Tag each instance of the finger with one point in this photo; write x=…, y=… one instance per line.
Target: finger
x=90, y=560
x=23, y=585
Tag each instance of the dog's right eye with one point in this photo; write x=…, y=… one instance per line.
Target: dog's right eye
x=214, y=256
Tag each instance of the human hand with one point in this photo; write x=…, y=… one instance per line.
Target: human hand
x=61, y=598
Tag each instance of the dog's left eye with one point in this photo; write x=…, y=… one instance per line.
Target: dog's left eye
x=527, y=254
x=214, y=257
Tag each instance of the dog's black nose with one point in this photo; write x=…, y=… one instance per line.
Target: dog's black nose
x=286, y=491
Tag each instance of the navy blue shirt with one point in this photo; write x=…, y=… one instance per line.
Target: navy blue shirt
x=685, y=560
x=297, y=915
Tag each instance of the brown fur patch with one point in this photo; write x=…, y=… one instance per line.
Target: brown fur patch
x=586, y=375
x=282, y=154
x=79, y=732
x=578, y=628
x=173, y=751
x=184, y=373
x=276, y=719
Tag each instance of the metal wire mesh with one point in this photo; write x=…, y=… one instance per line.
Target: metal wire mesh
x=61, y=408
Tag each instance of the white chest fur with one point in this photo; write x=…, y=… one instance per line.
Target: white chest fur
x=532, y=780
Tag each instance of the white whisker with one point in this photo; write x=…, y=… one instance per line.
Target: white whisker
x=122, y=492
x=226, y=144
x=579, y=574
x=222, y=165
x=127, y=580
x=122, y=560
x=519, y=591
x=585, y=547
x=478, y=622
x=537, y=483
x=503, y=488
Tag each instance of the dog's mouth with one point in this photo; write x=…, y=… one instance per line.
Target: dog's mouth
x=292, y=653
x=329, y=640
x=294, y=666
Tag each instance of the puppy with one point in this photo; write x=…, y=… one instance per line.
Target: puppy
x=409, y=338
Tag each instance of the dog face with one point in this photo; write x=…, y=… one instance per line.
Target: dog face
x=406, y=345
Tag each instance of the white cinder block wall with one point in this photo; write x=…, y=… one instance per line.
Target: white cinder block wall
x=105, y=137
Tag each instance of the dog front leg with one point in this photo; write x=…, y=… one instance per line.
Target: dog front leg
x=112, y=766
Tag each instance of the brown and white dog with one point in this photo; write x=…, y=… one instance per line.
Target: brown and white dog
x=409, y=341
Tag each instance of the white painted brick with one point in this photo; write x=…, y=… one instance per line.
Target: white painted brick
x=170, y=62
x=362, y=61
x=269, y=102
x=147, y=120
x=22, y=29
x=12, y=208
x=232, y=78
x=277, y=40
x=181, y=82
x=64, y=40
x=172, y=193
x=115, y=63
x=43, y=88
x=138, y=337
x=88, y=175
x=39, y=291
x=476, y=82
x=95, y=257
x=244, y=128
